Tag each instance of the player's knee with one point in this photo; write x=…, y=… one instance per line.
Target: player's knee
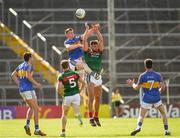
x=97, y=98
x=91, y=99
x=163, y=113
x=36, y=108
x=79, y=66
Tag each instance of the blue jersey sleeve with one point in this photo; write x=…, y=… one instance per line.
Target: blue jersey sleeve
x=140, y=80
x=17, y=68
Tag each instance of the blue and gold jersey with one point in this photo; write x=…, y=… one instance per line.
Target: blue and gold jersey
x=150, y=82
x=24, y=83
x=77, y=52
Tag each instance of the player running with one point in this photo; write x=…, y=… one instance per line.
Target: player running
x=75, y=50
x=23, y=77
x=69, y=89
x=151, y=84
x=93, y=58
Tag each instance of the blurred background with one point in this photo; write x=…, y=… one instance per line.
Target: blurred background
x=133, y=30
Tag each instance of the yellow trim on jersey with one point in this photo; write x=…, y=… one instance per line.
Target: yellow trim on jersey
x=21, y=73
x=147, y=85
x=76, y=43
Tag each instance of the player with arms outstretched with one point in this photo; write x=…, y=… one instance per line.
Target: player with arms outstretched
x=93, y=58
x=74, y=46
x=23, y=77
x=69, y=89
x=151, y=84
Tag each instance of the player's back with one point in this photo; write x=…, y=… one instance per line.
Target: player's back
x=24, y=83
x=69, y=79
x=150, y=81
x=77, y=52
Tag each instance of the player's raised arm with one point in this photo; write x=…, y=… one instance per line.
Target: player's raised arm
x=88, y=32
x=85, y=37
x=14, y=77
x=100, y=37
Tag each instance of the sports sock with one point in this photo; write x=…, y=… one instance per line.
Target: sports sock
x=28, y=122
x=90, y=114
x=37, y=128
x=166, y=128
x=96, y=114
x=63, y=130
x=139, y=124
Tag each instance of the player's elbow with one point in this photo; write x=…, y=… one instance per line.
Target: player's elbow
x=13, y=74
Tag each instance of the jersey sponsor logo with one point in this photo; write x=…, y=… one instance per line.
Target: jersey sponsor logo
x=70, y=77
x=150, y=77
x=94, y=54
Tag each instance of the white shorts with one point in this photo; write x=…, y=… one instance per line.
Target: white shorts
x=74, y=99
x=91, y=79
x=149, y=105
x=27, y=95
x=72, y=66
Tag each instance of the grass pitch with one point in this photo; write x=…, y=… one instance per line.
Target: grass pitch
x=152, y=128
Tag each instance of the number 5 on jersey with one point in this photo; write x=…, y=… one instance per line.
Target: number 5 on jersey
x=72, y=83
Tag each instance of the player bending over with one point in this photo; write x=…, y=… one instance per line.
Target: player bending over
x=23, y=77
x=69, y=89
x=151, y=85
x=75, y=50
x=93, y=58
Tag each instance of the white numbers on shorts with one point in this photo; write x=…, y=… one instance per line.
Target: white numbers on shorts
x=151, y=84
x=72, y=83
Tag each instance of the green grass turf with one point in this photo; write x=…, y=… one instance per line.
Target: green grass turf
x=152, y=128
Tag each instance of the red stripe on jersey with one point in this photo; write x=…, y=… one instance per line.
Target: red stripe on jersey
x=75, y=76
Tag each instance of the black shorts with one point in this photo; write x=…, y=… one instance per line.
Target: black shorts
x=117, y=103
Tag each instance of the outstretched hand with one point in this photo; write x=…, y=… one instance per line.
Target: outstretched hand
x=130, y=82
x=96, y=27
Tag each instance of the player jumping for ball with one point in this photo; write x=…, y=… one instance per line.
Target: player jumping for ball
x=93, y=58
x=75, y=50
x=151, y=84
x=69, y=89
